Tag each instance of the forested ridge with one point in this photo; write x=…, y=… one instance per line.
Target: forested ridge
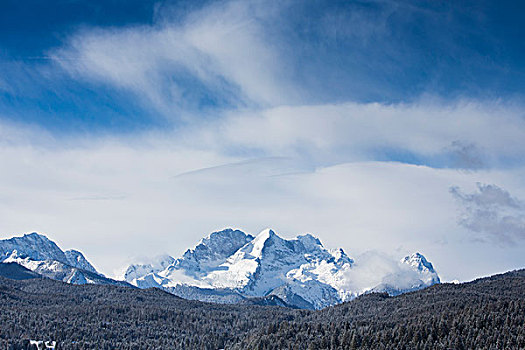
x=485, y=314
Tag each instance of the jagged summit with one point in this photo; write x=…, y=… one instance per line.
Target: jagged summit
x=228, y=233
x=34, y=235
x=77, y=259
x=229, y=265
x=39, y=254
x=158, y=263
x=418, y=261
x=260, y=242
x=308, y=239
x=208, y=254
x=33, y=245
x=340, y=257
x=219, y=244
x=212, y=251
x=425, y=268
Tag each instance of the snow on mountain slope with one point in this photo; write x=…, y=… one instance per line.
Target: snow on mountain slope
x=426, y=271
x=77, y=259
x=243, y=269
x=39, y=254
x=156, y=264
x=212, y=251
x=49, y=268
x=60, y=271
x=413, y=272
x=194, y=264
x=269, y=261
x=230, y=264
x=33, y=245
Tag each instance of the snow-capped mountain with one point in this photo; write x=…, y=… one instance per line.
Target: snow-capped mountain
x=426, y=271
x=206, y=256
x=230, y=265
x=39, y=254
x=33, y=245
x=77, y=259
x=414, y=272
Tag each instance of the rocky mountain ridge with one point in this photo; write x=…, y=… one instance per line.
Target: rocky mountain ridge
x=230, y=264
x=39, y=254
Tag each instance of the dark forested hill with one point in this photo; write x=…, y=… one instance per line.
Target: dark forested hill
x=488, y=313
x=485, y=314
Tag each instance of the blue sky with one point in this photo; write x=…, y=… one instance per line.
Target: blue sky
x=380, y=125
x=329, y=52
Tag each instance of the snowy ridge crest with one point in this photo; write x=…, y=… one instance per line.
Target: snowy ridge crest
x=39, y=254
x=230, y=265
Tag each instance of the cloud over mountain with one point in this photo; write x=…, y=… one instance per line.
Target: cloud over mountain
x=230, y=265
x=127, y=121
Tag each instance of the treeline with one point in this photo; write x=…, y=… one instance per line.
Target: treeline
x=108, y=317
x=485, y=314
x=438, y=318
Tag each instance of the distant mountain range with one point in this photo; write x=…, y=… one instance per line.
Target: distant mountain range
x=231, y=266
x=41, y=255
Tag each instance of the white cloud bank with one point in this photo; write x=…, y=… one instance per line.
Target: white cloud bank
x=463, y=134
x=115, y=199
x=224, y=51
x=267, y=160
x=220, y=48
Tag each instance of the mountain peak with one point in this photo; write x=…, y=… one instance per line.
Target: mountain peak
x=41, y=255
x=424, y=267
x=77, y=259
x=299, y=270
x=418, y=261
x=227, y=234
x=154, y=265
x=262, y=240
x=266, y=233
x=212, y=251
x=309, y=240
x=341, y=257
x=35, y=236
x=33, y=245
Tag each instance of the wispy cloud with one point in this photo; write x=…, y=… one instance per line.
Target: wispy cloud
x=267, y=167
x=359, y=205
x=439, y=135
x=268, y=112
x=217, y=55
x=203, y=61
